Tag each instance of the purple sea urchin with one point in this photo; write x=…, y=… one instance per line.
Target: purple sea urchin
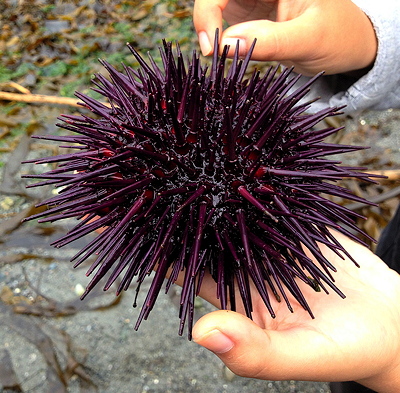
x=193, y=169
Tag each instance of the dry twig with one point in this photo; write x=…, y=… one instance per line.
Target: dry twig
x=391, y=174
x=38, y=99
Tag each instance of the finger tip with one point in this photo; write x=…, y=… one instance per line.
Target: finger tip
x=214, y=340
x=205, y=44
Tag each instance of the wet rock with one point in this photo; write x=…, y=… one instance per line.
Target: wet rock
x=56, y=26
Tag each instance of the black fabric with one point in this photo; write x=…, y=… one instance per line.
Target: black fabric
x=388, y=249
x=348, y=387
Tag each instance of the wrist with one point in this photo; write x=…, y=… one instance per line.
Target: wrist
x=366, y=49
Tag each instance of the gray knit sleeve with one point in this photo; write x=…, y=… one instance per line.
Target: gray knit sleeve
x=380, y=87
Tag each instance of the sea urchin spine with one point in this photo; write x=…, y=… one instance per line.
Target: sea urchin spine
x=194, y=171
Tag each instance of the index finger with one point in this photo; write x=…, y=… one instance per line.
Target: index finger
x=207, y=17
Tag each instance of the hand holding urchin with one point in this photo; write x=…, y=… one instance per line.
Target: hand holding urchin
x=192, y=170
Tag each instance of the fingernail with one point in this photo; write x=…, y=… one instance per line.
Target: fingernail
x=215, y=341
x=204, y=42
x=232, y=42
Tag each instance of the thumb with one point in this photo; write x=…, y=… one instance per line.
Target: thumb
x=276, y=41
x=236, y=340
x=250, y=351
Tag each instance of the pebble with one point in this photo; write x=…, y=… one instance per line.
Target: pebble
x=79, y=289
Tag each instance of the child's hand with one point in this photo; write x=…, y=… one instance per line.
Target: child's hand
x=356, y=338
x=313, y=36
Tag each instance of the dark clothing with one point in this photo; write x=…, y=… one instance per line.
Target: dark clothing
x=348, y=387
x=389, y=243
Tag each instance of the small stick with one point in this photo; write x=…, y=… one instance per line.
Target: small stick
x=391, y=174
x=41, y=99
x=15, y=86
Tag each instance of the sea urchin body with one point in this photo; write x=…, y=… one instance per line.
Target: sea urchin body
x=192, y=170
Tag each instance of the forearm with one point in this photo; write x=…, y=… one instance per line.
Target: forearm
x=379, y=88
